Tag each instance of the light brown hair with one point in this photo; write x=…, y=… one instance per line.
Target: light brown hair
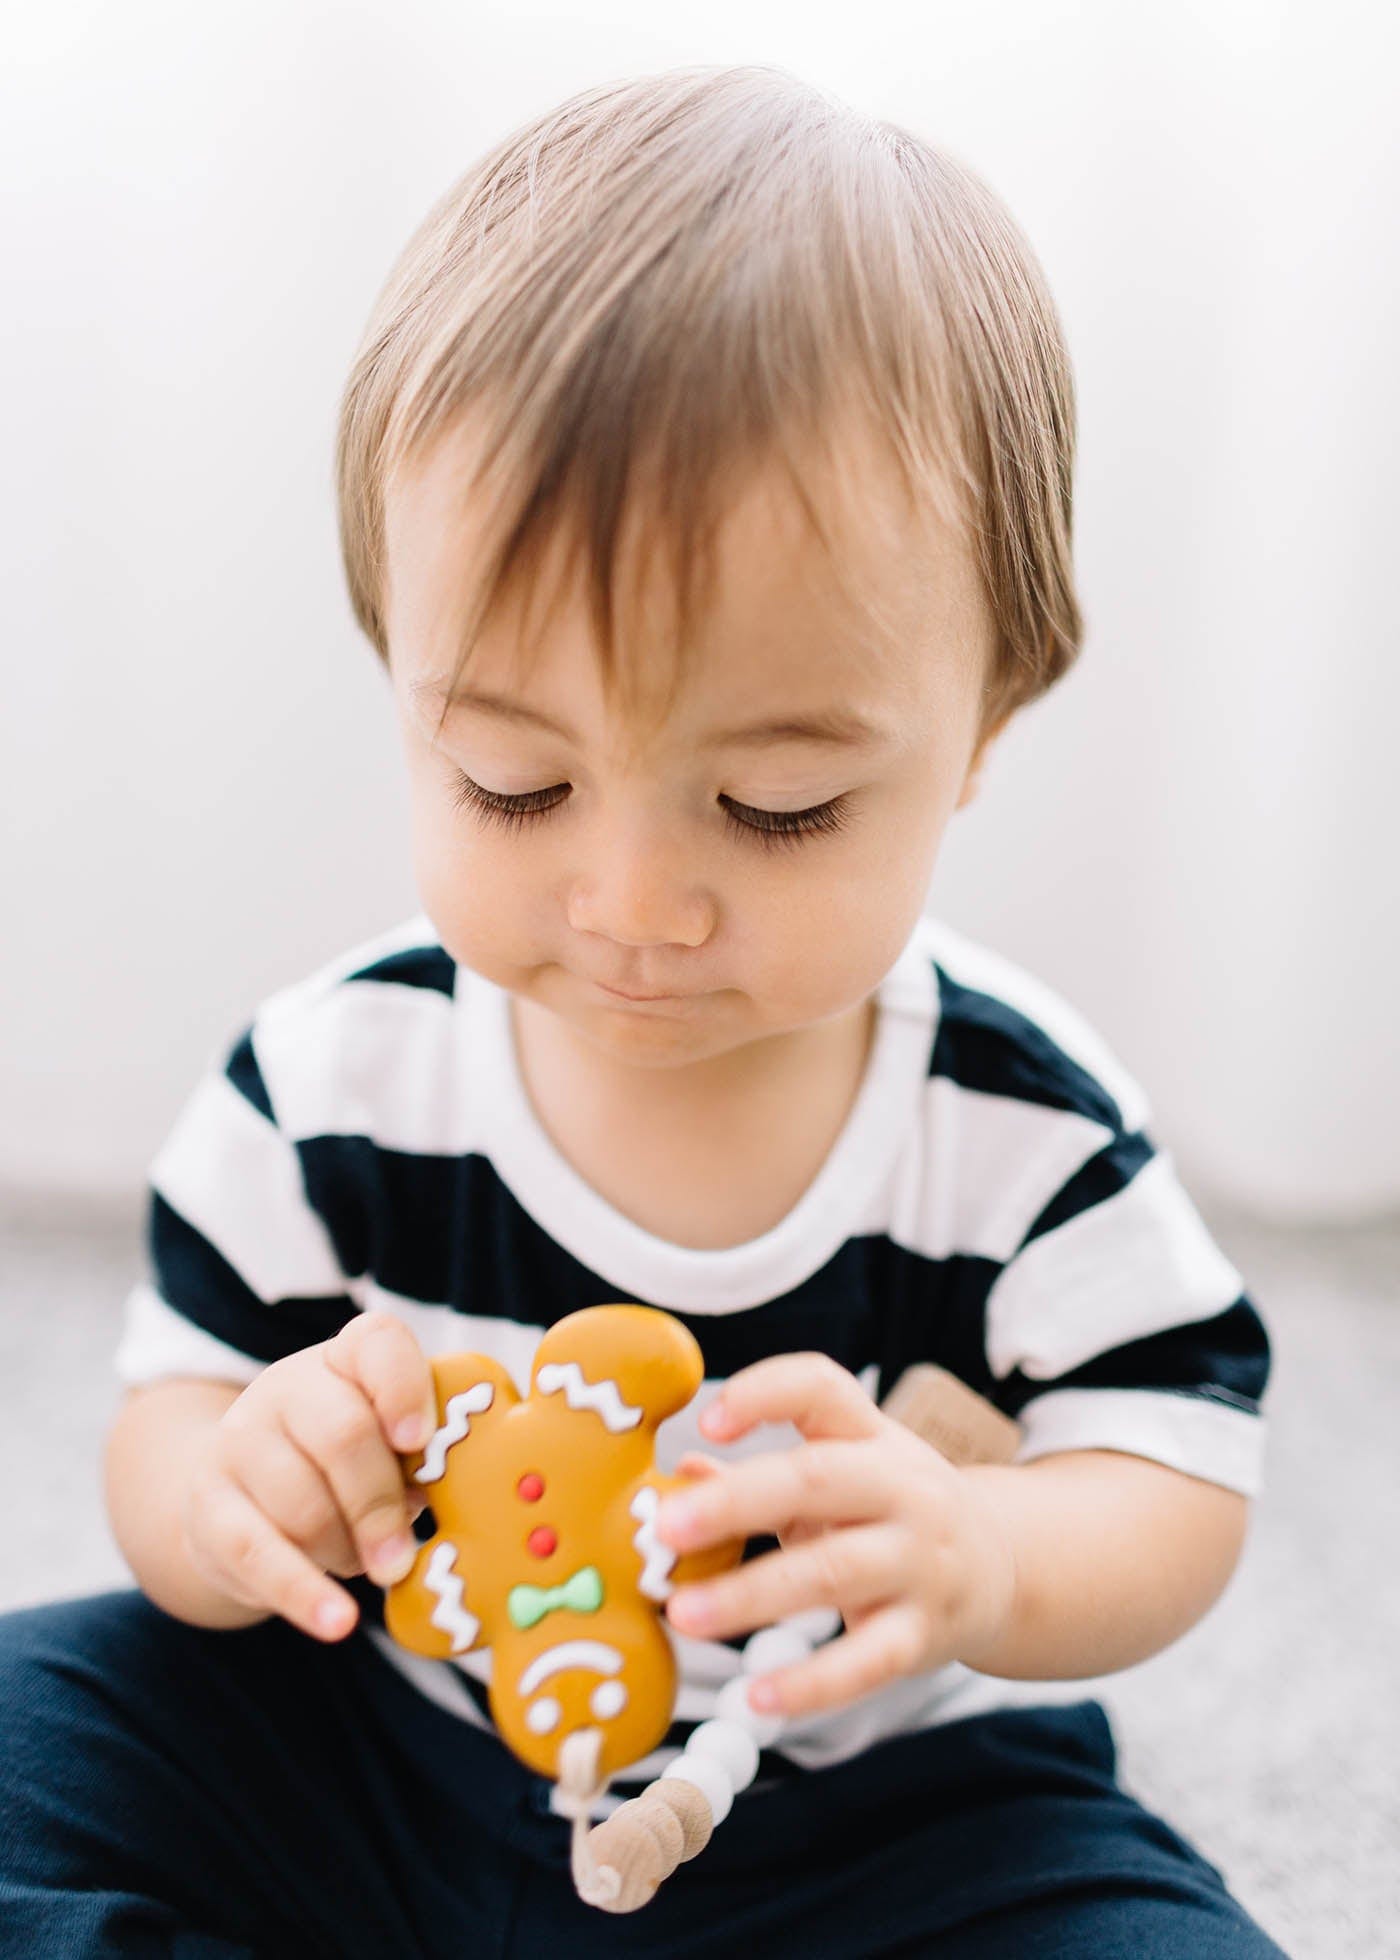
x=667, y=279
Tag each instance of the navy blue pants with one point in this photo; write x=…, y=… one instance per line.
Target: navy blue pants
x=167, y=1790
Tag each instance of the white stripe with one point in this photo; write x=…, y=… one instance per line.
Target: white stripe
x=370, y=1059
x=234, y=1176
x=1204, y=1438
x=983, y=1170
x=158, y=1342
x=1133, y=1265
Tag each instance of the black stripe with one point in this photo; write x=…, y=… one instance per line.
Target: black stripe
x=1225, y=1359
x=200, y=1283
x=984, y=1044
x=415, y=966
x=1103, y=1176
x=245, y=1075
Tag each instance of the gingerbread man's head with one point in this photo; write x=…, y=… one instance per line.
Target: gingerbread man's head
x=545, y=1548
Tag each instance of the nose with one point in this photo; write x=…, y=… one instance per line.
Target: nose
x=638, y=885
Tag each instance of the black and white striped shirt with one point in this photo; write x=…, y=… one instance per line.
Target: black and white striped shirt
x=993, y=1203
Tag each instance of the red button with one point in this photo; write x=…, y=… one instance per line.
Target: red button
x=541, y=1541
x=530, y=1487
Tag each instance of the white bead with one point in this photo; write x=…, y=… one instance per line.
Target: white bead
x=728, y=1743
x=542, y=1715
x=709, y=1777
x=732, y=1702
x=775, y=1647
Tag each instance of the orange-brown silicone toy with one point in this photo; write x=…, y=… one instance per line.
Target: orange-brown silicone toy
x=545, y=1548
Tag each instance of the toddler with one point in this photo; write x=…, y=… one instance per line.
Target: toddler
x=704, y=484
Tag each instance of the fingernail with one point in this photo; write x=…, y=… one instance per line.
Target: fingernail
x=695, y=1605
x=410, y=1434
x=763, y=1694
x=715, y=1419
x=334, y=1615
x=393, y=1560
x=676, y=1519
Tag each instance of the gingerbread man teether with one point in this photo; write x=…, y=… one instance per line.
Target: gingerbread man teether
x=545, y=1548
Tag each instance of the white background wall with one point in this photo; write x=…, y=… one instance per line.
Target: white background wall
x=1194, y=838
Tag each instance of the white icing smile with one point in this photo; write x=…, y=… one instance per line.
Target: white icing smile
x=595, y=1654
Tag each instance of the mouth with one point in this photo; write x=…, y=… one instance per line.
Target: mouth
x=617, y=993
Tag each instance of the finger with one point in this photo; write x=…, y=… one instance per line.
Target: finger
x=333, y=1421
x=883, y=1648
x=291, y=1490
x=695, y=1463
x=810, y=1390
x=830, y=1483
x=271, y=1571
x=380, y=1356
x=859, y=1566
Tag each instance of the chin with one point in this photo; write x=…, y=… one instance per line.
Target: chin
x=648, y=1042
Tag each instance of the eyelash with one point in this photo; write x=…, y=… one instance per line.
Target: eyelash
x=776, y=828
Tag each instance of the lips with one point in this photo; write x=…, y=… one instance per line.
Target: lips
x=638, y=998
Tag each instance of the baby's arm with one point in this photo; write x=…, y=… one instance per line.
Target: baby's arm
x=1117, y=1556
x=1062, y=1567
x=150, y=1448
x=234, y=1503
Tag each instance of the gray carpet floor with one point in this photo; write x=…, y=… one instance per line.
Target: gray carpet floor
x=1269, y=1735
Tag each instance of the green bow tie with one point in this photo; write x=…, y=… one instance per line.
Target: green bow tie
x=583, y=1593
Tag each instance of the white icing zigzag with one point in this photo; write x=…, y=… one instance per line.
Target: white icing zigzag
x=472, y=1401
x=604, y=1397
x=657, y=1559
x=450, y=1613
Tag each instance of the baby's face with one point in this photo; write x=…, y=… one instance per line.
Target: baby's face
x=649, y=858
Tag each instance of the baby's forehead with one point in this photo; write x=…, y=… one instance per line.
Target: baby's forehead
x=817, y=581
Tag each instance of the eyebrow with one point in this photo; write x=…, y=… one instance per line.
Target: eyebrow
x=834, y=727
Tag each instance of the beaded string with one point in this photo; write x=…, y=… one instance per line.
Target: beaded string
x=619, y=1863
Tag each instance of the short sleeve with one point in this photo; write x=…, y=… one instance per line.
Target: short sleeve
x=241, y=1267
x=1057, y=1264
x=1118, y=1324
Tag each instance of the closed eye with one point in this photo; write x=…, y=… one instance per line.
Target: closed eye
x=768, y=827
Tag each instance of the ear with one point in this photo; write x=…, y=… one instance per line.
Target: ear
x=972, y=782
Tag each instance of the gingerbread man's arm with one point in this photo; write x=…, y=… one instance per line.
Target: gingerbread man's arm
x=430, y=1609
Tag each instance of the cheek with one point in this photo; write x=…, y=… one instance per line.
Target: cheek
x=827, y=937
x=468, y=879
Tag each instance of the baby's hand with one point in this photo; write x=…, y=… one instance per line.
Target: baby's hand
x=869, y=1518
x=300, y=1477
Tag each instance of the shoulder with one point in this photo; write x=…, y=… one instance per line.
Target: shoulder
x=1004, y=1032
x=318, y=1048
x=407, y=954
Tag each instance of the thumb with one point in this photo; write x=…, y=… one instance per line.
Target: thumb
x=697, y=1463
